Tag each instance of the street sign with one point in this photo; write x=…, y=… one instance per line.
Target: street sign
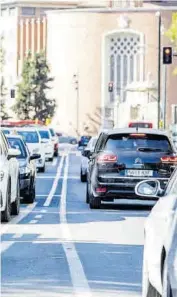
x=167, y=55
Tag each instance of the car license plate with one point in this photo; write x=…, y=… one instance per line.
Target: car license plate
x=139, y=173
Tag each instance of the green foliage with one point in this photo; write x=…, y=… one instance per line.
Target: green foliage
x=3, y=89
x=32, y=101
x=172, y=34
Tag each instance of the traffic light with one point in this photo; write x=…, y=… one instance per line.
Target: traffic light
x=12, y=93
x=110, y=87
x=167, y=55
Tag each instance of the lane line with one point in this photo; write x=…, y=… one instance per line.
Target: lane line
x=38, y=217
x=47, y=195
x=54, y=163
x=5, y=245
x=55, y=183
x=17, y=219
x=33, y=221
x=79, y=280
x=43, y=210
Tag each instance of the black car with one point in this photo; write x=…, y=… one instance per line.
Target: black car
x=27, y=168
x=124, y=157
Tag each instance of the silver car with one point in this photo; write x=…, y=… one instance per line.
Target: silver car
x=84, y=160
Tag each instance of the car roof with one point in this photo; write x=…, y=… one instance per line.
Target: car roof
x=14, y=136
x=25, y=129
x=135, y=130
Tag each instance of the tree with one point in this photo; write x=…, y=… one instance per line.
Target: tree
x=172, y=34
x=3, y=89
x=32, y=101
x=44, y=107
x=24, y=105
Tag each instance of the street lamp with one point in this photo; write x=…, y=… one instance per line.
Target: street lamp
x=158, y=15
x=76, y=82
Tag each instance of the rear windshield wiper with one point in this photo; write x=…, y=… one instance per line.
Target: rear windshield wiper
x=149, y=149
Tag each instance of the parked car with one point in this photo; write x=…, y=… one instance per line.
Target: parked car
x=47, y=142
x=85, y=160
x=34, y=142
x=9, y=180
x=55, y=141
x=160, y=248
x=27, y=168
x=84, y=140
x=67, y=139
x=122, y=158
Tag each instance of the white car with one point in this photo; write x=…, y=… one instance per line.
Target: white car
x=34, y=142
x=47, y=142
x=160, y=249
x=55, y=141
x=84, y=160
x=9, y=180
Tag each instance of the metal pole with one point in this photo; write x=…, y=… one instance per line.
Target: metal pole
x=165, y=95
x=159, y=70
x=78, y=106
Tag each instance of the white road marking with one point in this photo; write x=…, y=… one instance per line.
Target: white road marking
x=18, y=235
x=79, y=280
x=5, y=245
x=55, y=183
x=38, y=217
x=43, y=210
x=33, y=221
x=54, y=163
x=17, y=219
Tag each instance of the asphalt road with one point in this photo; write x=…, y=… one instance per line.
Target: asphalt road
x=59, y=247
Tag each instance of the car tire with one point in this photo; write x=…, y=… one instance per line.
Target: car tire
x=94, y=202
x=83, y=177
x=42, y=169
x=87, y=194
x=51, y=159
x=6, y=214
x=152, y=292
x=30, y=198
x=15, y=208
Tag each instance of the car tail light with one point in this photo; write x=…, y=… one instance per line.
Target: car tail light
x=107, y=158
x=169, y=159
x=137, y=135
x=101, y=190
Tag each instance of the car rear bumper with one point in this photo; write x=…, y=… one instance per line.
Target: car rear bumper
x=123, y=187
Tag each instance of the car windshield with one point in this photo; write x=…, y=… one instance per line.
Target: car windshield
x=133, y=142
x=18, y=144
x=6, y=131
x=52, y=132
x=29, y=136
x=44, y=134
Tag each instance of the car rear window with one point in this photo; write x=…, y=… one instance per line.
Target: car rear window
x=44, y=134
x=18, y=144
x=133, y=142
x=29, y=136
x=52, y=132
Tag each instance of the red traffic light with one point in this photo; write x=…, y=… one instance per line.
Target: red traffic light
x=110, y=86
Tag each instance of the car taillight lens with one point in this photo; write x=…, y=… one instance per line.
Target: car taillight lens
x=107, y=158
x=169, y=159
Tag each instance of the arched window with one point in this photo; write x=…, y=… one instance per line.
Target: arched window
x=124, y=60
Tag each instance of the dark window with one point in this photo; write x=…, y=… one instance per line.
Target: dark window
x=29, y=136
x=6, y=131
x=52, y=132
x=28, y=11
x=44, y=134
x=133, y=142
x=18, y=144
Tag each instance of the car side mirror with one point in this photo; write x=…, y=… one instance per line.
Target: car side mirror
x=149, y=188
x=87, y=153
x=35, y=156
x=13, y=153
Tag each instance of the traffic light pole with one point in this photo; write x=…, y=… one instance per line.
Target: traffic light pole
x=159, y=70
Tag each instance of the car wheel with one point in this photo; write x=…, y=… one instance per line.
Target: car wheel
x=42, y=169
x=16, y=204
x=152, y=292
x=56, y=154
x=6, y=214
x=94, y=202
x=83, y=177
x=51, y=159
x=87, y=194
x=30, y=198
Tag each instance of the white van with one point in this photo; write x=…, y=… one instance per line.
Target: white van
x=47, y=141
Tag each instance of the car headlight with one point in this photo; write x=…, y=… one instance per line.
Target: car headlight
x=1, y=175
x=36, y=151
x=24, y=170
